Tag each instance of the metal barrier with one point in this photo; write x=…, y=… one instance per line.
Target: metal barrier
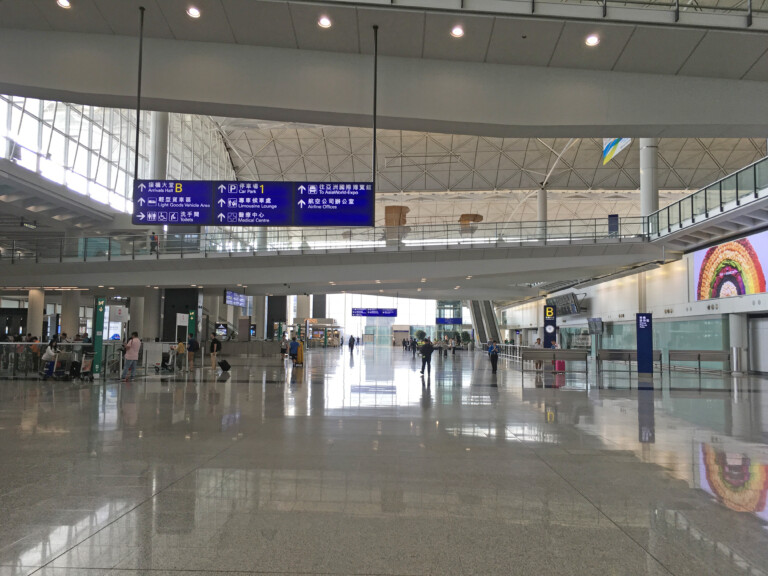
x=539, y=355
x=700, y=356
x=511, y=352
x=628, y=356
x=23, y=360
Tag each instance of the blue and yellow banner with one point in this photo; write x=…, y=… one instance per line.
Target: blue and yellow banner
x=612, y=146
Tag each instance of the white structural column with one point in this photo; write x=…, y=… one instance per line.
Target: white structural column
x=158, y=139
x=541, y=212
x=739, y=338
x=36, y=312
x=151, y=313
x=70, y=312
x=136, y=313
x=303, y=308
x=649, y=186
x=259, y=316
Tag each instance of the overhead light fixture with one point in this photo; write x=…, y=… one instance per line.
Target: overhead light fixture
x=101, y=286
x=381, y=290
x=324, y=22
x=193, y=12
x=457, y=31
x=456, y=287
x=423, y=279
x=469, y=277
x=193, y=285
x=66, y=4
x=592, y=40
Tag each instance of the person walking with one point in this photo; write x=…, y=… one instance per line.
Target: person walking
x=351, y=343
x=153, y=243
x=414, y=346
x=294, y=350
x=493, y=354
x=426, y=356
x=405, y=345
x=132, y=348
x=215, y=348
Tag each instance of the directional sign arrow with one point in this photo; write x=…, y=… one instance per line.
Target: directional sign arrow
x=141, y=201
x=222, y=188
x=142, y=187
x=302, y=188
x=301, y=203
x=140, y=216
x=222, y=202
x=221, y=217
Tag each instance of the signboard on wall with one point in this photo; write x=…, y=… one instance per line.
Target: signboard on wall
x=550, y=326
x=733, y=268
x=235, y=299
x=448, y=321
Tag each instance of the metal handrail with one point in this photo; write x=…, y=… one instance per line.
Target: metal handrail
x=276, y=241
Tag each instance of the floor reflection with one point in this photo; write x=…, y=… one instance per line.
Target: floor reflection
x=309, y=469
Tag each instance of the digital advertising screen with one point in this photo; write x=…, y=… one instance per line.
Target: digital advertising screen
x=731, y=269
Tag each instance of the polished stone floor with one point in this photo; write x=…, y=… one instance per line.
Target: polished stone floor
x=350, y=465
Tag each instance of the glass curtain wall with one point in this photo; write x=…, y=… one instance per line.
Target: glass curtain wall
x=90, y=149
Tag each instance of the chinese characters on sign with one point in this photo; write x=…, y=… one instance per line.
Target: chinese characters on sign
x=171, y=202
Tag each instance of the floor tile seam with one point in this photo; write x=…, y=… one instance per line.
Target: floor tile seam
x=601, y=512
x=132, y=509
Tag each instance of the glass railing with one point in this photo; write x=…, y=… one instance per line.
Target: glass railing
x=731, y=192
x=275, y=241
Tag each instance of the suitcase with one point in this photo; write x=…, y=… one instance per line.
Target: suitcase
x=224, y=365
x=560, y=366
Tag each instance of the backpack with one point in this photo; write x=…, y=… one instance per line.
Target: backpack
x=194, y=346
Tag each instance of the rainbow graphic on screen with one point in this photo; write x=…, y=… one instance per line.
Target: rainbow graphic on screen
x=735, y=479
x=730, y=269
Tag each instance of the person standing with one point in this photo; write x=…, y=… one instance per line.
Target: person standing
x=192, y=347
x=132, y=348
x=537, y=345
x=351, y=343
x=153, y=243
x=405, y=345
x=214, y=349
x=426, y=356
x=493, y=354
x=414, y=346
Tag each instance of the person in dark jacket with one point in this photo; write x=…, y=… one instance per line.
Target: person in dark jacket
x=214, y=349
x=493, y=354
x=426, y=356
x=351, y=343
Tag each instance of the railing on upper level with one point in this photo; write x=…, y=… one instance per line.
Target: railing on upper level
x=727, y=194
x=275, y=241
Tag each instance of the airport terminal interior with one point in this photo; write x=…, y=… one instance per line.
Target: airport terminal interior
x=383, y=287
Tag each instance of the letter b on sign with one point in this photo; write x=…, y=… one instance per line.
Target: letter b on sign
x=549, y=312
x=178, y=188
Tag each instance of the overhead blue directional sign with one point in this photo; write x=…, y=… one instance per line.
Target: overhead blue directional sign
x=254, y=203
x=382, y=312
x=334, y=204
x=172, y=202
x=226, y=203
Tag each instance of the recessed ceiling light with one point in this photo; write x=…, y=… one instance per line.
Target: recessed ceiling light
x=592, y=40
x=469, y=277
x=381, y=290
x=101, y=286
x=193, y=285
x=423, y=279
x=66, y=4
x=418, y=289
x=193, y=12
x=457, y=31
x=457, y=287
x=324, y=22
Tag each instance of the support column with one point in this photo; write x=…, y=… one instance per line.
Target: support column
x=151, y=321
x=158, y=141
x=541, y=212
x=136, y=313
x=259, y=316
x=738, y=336
x=70, y=312
x=649, y=186
x=36, y=312
x=303, y=310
